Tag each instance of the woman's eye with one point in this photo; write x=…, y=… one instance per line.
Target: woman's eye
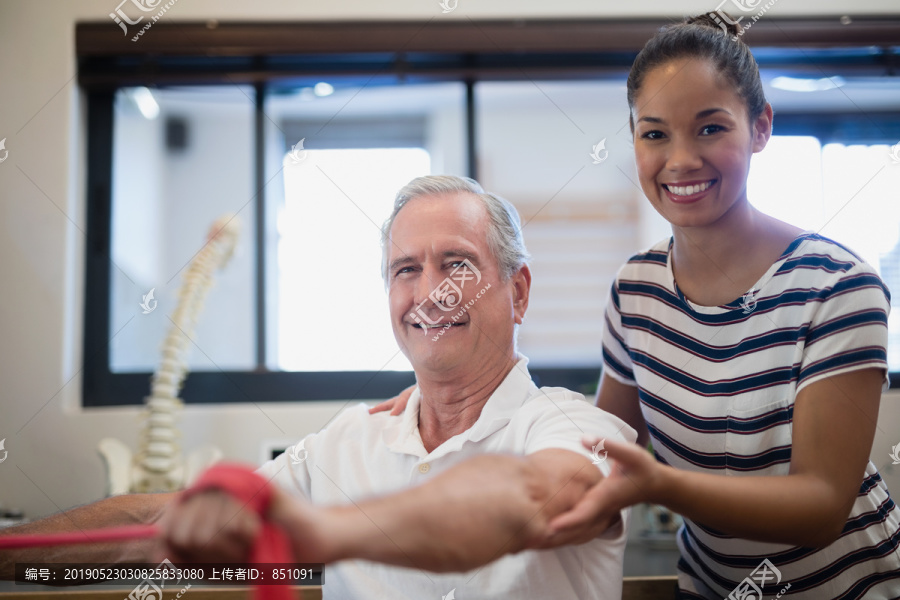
x=653, y=135
x=711, y=129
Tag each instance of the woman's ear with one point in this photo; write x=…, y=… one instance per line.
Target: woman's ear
x=762, y=128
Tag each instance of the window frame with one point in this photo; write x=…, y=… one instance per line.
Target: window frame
x=267, y=55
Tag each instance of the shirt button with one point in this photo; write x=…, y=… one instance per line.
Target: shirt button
x=424, y=468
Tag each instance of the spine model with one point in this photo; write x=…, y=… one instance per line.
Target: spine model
x=158, y=465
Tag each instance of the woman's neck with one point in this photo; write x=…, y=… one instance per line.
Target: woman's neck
x=720, y=262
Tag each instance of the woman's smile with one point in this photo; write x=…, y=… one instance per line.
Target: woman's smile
x=688, y=192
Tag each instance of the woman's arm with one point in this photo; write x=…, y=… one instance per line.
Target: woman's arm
x=622, y=401
x=833, y=428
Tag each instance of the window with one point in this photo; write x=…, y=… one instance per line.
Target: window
x=845, y=192
x=328, y=305
x=182, y=157
x=332, y=304
x=307, y=144
x=580, y=216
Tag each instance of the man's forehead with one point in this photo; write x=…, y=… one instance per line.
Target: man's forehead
x=439, y=227
x=441, y=208
x=461, y=217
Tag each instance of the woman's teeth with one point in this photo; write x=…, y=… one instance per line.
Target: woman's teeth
x=688, y=190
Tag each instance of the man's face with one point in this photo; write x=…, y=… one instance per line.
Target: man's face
x=430, y=287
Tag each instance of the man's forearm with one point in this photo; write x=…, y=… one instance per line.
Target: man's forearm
x=466, y=517
x=118, y=510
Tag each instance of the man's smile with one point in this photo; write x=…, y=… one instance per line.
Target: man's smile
x=438, y=325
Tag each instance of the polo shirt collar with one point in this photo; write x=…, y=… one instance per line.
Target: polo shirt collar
x=403, y=436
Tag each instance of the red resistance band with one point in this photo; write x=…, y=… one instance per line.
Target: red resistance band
x=247, y=487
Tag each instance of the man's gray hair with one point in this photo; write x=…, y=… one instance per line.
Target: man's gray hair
x=504, y=226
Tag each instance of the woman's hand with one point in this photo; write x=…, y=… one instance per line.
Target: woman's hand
x=396, y=405
x=635, y=477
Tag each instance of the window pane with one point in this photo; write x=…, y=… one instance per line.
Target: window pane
x=785, y=181
x=861, y=184
x=847, y=193
x=332, y=306
x=182, y=158
x=327, y=304
x=535, y=141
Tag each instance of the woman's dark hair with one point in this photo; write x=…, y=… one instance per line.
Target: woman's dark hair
x=714, y=37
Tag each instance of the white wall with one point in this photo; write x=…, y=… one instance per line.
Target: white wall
x=51, y=441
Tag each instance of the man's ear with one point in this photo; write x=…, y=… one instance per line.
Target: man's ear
x=762, y=128
x=521, y=282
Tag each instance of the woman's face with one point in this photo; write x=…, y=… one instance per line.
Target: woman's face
x=693, y=142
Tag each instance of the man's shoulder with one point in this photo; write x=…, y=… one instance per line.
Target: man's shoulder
x=562, y=403
x=559, y=417
x=354, y=421
x=356, y=416
x=556, y=394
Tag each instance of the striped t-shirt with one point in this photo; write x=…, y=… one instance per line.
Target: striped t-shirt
x=717, y=388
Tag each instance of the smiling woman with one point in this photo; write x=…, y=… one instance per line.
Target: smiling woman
x=693, y=168
x=752, y=354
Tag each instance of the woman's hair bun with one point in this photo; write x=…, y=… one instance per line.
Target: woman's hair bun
x=717, y=20
x=710, y=37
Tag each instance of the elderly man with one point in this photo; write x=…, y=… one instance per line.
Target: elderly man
x=457, y=492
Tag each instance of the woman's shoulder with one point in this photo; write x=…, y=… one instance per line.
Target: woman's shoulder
x=813, y=251
x=827, y=270
x=649, y=266
x=653, y=258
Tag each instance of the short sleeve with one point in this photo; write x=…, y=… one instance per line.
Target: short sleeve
x=568, y=420
x=566, y=424
x=848, y=331
x=616, y=358
x=290, y=469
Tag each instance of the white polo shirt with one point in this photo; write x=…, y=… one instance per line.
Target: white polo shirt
x=360, y=455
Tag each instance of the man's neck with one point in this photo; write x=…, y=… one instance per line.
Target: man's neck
x=450, y=405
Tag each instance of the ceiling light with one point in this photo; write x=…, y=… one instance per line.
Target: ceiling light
x=145, y=102
x=323, y=89
x=798, y=84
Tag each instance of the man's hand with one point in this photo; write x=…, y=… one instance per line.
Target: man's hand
x=211, y=526
x=634, y=478
x=396, y=405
